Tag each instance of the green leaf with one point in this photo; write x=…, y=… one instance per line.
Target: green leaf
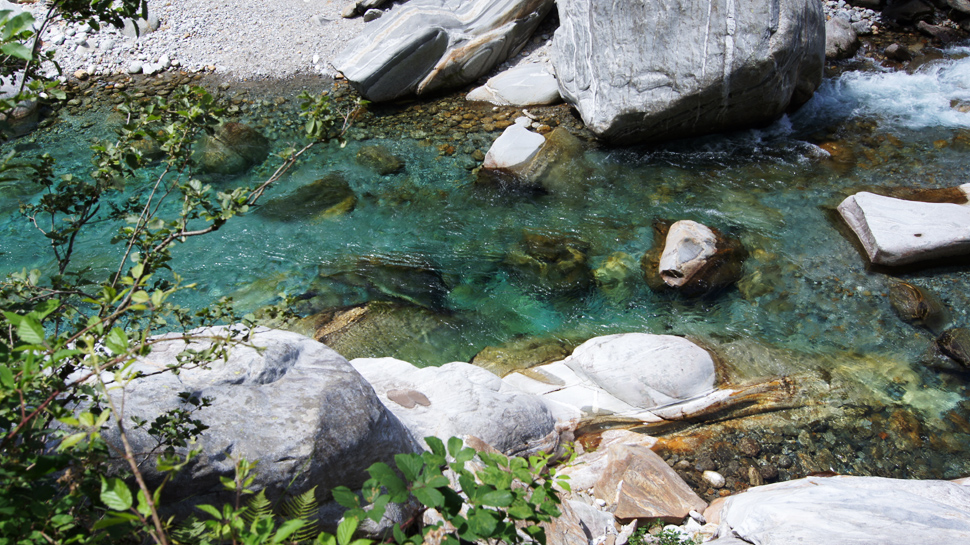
x=6, y=377
x=114, y=520
x=72, y=440
x=482, y=522
x=389, y=480
x=17, y=50
x=210, y=510
x=286, y=529
x=346, y=529
x=436, y=445
x=30, y=330
x=143, y=503
x=115, y=494
x=454, y=446
x=429, y=496
x=345, y=497
x=410, y=465
x=325, y=539
x=496, y=498
x=117, y=341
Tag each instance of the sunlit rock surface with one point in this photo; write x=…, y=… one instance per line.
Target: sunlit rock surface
x=899, y=232
x=424, y=46
x=847, y=510
x=652, y=71
x=531, y=84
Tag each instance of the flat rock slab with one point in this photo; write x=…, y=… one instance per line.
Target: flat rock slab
x=459, y=400
x=530, y=84
x=898, y=232
x=424, y=46
x=849, y=511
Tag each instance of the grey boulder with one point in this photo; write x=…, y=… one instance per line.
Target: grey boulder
x=847, y=510
x=841, y=40
x=460, y=400
x=297, y=407
x=898, y=232
x=531, y=84
x=652, y=71
x=425, y=46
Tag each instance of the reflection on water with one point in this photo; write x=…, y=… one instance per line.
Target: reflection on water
x=462, y=268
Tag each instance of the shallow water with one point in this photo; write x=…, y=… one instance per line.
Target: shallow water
x=806, y=306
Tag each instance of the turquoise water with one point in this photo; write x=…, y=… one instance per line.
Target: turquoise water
x=807, y=304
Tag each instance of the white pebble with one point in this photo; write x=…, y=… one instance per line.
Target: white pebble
x=714, y=479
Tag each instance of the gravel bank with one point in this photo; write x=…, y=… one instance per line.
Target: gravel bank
x=242, y=39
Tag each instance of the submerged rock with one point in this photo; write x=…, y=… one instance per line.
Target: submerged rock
x=520, y=354
x=20, y=120
x=461, y=400
x=530, y=84
x=692, y=259
x=232, y=149
x=425, y=46
x=407, y=280
x=955, y=343
x=551, y=262
x=296, y=406
x=510, y=157
x=521, y=160
x=616, y=275
x=380, y=160
x=651, y=72
x=899, y=232
x=917, y=305
x=327, y=197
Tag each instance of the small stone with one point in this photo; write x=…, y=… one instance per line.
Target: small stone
x=523, y=121
x=749, y=447
x=714, y=479
x=784, y=461
x=350, y=11
x=135, y=68
x=600, y=502
x=754, y=477
x=769, y=472
x=372, y=14
x=81, y=75
x=705, y=463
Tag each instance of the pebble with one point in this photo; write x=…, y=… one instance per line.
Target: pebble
x=714, y=479
x=135, y=68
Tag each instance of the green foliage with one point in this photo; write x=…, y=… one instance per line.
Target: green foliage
x=496, y=497
x=657, y=534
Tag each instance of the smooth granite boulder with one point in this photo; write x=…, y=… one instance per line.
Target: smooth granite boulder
x=653, y=71
x=841, y=40
x=531, y=84
x=297, y=407
x=460, y=400
x=847, y=510
x=898, y=232
x=425, y=46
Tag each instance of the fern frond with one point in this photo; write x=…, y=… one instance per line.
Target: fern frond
x=257, y=507
x=304, y=508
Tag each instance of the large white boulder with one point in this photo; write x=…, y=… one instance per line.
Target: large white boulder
x=898, y=232
x=295, y=406
x=652, y=71
x=424, y=46
x=847, y=510
x=460, y=400
x=530, y=84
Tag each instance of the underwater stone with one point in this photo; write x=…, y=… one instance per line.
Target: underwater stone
x=917, y=305
x=327, y=197
x=955, y=343
x=380, y=160
x=232, y=149
x=551, y=262
x=692, y=259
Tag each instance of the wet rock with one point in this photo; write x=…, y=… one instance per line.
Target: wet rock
x=380, y=160
x=898, y=52
x=944, y=35
x=296, y=406
x=908, y=11
x=425, y=46
x=638, y=484
x=841, y=41
x=963, y=6
x=580, y=524
x=20, y=120
x=530, y=84
x=640, y=72
x=616, y=275
x=328, y=197
x=749, y=447
x=510, y=156
x=898, y=232
x=551, y=262
x=845, y=510
x=692, y=259
x=232, y=149
x=520, y=354
x=955, y=343
x=459, y=399
x=917, y=305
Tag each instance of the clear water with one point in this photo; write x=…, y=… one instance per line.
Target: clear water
x=806, y=307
